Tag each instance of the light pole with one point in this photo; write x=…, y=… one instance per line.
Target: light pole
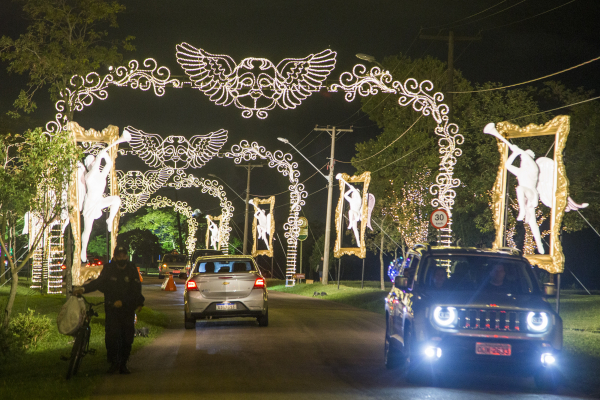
x=369, y=58
x=332, y=131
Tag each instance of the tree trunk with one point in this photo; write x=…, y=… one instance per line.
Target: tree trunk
x=69, y=260
x=11, y=297
x=381, y=259
x=2, y=255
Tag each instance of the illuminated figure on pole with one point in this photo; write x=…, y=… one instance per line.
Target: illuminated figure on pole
x=264, y=224
x=354, y=199
x=214, y=233
x=95, y=184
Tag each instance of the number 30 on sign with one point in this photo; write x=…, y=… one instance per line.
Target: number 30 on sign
x=439, y=218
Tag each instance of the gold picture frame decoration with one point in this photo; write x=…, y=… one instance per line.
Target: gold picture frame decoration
x=255, y=203
x=220, y=219
x=338, y=250
x=79, y=134
x=559, y=127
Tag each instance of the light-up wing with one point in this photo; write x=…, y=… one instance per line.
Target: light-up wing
x=545, y=185
x=148, y=146
x=204, y=147
x=211, y=73
x=371, y=206
x=298, y=78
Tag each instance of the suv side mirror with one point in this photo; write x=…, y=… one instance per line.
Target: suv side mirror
x=401, y=282
x=549, y=290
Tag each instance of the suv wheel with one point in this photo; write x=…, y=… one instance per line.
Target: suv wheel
x=392, y=356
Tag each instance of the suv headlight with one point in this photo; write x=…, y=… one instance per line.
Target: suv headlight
x=537, y=321
x=445, y=317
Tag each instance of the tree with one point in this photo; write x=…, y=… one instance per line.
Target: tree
x=64, y=38
x=34, y=173
x=141, y=242
x=161, y=222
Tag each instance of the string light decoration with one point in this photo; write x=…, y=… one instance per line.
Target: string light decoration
x=176, y=152
x=420, y=97
x=255, y=85
x=82, y=91
x=212, y=187
x=284, y=165
x=136, y=187
x=183, y=208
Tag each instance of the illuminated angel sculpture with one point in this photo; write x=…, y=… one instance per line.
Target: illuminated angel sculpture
x=354, y=199
x=214, y=233
x=264, y=224
x=176, y=152
x=255, y=84
x=95, y=183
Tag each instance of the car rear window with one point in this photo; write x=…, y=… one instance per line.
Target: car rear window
x=173, y=258
x=223, y=266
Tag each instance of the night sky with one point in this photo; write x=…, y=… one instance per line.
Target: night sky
x=509, y=53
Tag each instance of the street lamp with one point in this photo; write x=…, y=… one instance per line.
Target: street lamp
x=369, y=58
x=284, y=140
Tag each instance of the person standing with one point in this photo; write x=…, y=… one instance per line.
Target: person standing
x=120, y=283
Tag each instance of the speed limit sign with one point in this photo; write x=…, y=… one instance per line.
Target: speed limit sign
x=439, y=218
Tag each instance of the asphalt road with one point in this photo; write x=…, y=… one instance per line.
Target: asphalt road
x=312, y=349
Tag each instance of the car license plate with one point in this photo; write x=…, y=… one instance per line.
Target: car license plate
x=225, y=306
x=176, y=271
x=493, y=349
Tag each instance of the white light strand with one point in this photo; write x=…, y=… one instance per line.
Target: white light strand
x=136, y=187
x=284, y=165
x=255, y=85
x=83, y=90
x=183, y=208
x=411, y=92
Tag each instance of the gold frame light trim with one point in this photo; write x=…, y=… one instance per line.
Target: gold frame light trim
x=361, y=251
x=255, y=251
x=559, y=127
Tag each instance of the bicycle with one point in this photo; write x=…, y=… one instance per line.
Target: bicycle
x=81, y=347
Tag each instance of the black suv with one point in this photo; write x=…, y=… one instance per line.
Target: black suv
x=463, y=307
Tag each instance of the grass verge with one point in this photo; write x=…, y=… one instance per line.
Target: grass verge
x=580, y=314
x=39, y=372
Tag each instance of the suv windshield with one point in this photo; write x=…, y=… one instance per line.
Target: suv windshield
x=223, y=266
x=473, y=273
x=173, y=258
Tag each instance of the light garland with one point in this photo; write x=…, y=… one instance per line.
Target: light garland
x=183, y=208
x=418, y=95
x=136, y=187
x=176, y=152
x=284, y=165
x=285, y=85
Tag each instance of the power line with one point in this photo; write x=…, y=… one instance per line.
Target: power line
x=532, y=80
x=491, y=15
x=470, y=16
x=557, y=108
x=380, y=151
x=286, y=191
x=311, y=131
x=406, y=155
x=525, y=19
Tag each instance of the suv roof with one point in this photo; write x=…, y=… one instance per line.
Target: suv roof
x=422, y=248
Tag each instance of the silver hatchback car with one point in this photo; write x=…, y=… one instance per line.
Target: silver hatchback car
x=225, y=287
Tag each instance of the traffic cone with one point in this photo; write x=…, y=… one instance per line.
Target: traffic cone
x=140, y=274
x=170, y=284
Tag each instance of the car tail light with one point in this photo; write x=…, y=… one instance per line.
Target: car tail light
x=191, y=285
x=63, y=266
x=99, y=262
x=259, y=283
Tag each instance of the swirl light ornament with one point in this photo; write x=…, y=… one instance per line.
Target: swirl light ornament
x=284, y=165
x=82, y=91
x=212, y=187
x=255, y=85
x=136, y=187
x=423, y=100
x=183, y=208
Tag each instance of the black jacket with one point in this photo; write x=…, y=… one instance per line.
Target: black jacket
x=119, y=284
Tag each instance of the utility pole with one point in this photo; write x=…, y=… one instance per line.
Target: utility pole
x=451, y=39
x=249, y=168
x=332, y=131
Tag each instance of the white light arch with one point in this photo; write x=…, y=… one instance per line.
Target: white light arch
x=284, y=165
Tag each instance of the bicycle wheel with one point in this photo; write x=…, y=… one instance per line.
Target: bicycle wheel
x=84, y=346
x=77, y=352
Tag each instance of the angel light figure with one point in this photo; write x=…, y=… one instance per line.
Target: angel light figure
x=94, y=182
x=214, y=233
x=354, y=199
x=264, y=224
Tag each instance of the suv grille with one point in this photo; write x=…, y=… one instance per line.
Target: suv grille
x=491, y=320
